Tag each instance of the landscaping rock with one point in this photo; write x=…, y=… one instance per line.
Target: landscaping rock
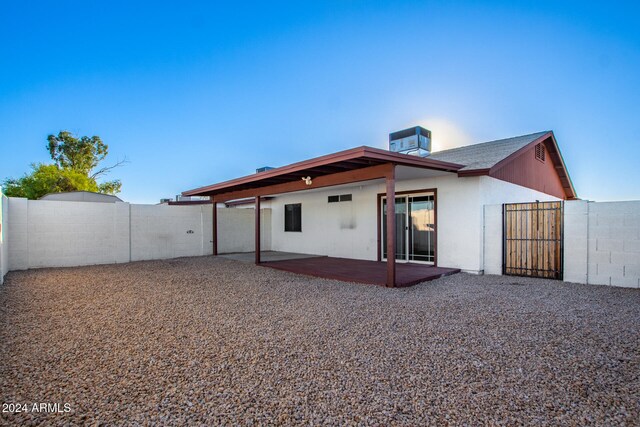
x=210, y=341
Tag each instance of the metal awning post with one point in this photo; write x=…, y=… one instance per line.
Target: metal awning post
x=214, y=224
x=257, y=245
x=391, y=226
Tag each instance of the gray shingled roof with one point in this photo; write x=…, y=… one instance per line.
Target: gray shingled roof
x=486, y=154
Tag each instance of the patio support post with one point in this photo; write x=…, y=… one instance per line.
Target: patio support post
x=257, y=230
x=391, y=226
x=214, y=224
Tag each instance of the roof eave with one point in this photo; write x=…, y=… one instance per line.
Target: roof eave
x=519, y=152
x=362, y=152
x=474, y=172
x=570, y=191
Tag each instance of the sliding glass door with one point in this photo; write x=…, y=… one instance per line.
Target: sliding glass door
x=401, y=225
x=415, y=228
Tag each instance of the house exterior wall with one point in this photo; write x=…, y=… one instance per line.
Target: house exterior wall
x=350, y=229
x=494, y=193
x=344, y=229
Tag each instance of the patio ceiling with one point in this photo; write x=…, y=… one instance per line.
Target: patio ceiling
x=354, y=165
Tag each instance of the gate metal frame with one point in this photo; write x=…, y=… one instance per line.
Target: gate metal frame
x=560, y=272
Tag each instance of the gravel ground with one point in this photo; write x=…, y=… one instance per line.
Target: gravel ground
x=215, y=341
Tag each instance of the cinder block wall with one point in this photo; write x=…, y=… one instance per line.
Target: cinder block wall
x=4, y=252
x=576, y=243
x=44, y=233
x=601, y=242
x=17, y=235
x=162, y=231
x=236, y=230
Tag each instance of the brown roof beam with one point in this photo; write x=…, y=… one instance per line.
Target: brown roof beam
x=347, y=177
x=374, y=155
x=362, y=162
x=325, y=170
x=474, y=172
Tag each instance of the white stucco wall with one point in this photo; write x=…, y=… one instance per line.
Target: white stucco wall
x=349, y=229
x=492, y=239
x=494, y=193
x=4, y=250
x=345, y=229
x=44, y=233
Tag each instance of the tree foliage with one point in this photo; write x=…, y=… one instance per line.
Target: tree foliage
x=75, y=168
x=80, y=154
x=45, y=179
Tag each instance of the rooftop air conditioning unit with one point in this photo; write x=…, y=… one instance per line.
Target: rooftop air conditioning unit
x=415, y=140
x=264, y=169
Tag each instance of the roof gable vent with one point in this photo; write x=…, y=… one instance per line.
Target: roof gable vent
x=540, y=154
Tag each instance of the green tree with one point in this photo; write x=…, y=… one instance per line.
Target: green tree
x=75, y=168
x=45, y=179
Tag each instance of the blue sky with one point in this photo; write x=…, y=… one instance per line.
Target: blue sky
x=194, y=93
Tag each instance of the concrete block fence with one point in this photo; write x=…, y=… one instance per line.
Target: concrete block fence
x=601, y=242
x=44, y=233
x=4, y=253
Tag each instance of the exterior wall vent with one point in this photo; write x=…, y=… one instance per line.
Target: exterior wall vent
x=415, y=140
x=540, y=152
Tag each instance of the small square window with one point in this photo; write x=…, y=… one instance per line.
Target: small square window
x=340, y=198
x=293, y=217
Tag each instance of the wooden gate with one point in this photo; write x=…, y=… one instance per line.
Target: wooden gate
x=533, y=235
